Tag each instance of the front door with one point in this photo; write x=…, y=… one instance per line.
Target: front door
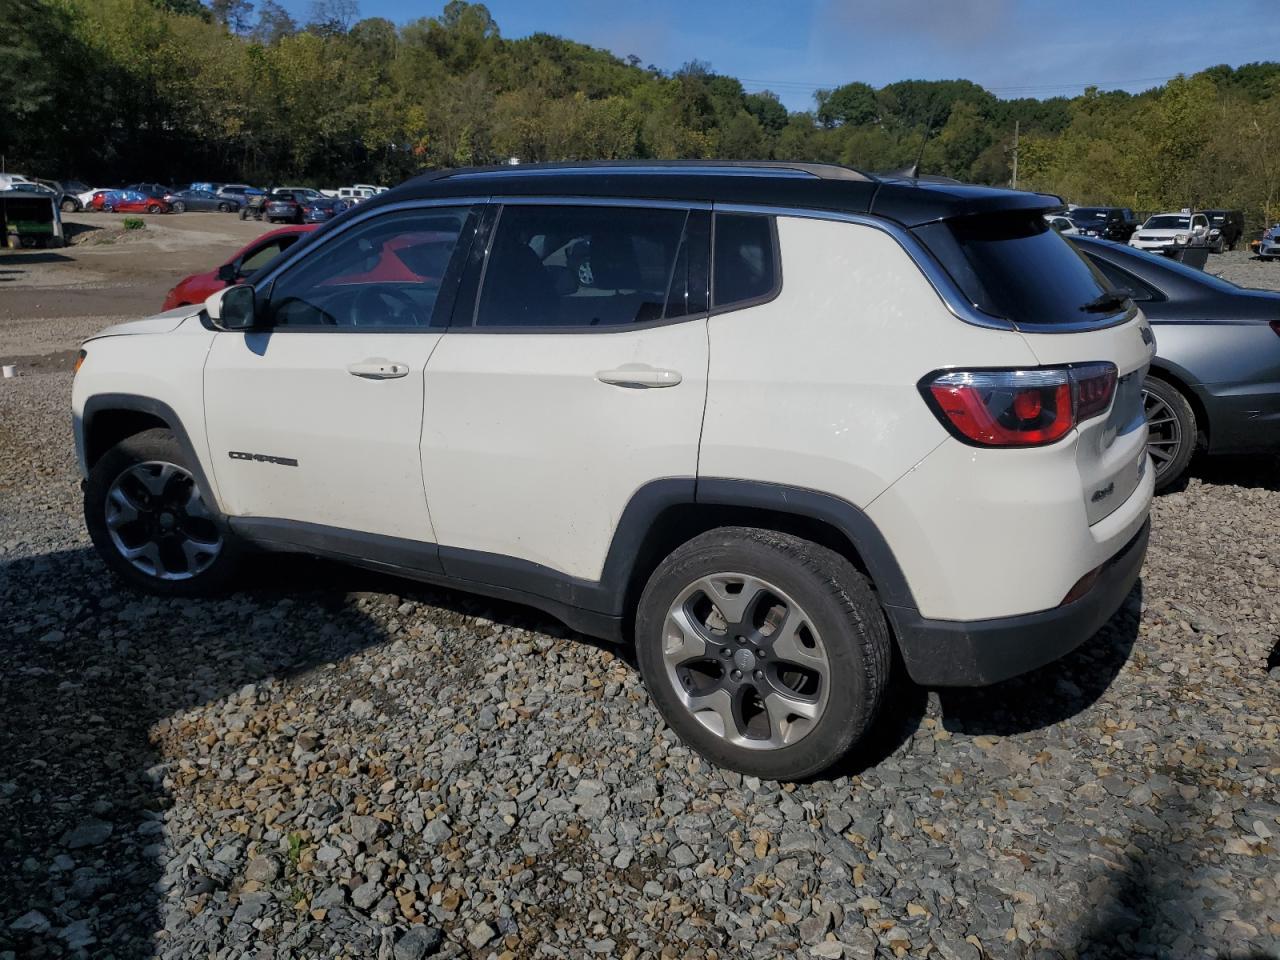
x=315, y=420
x=574, y=376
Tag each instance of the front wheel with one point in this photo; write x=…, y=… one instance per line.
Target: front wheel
x=153, y=208
x=68, y=206
x=149, y=522
x=223, y=208
x=1171, y=430
x=766, y=653
x=179, y=207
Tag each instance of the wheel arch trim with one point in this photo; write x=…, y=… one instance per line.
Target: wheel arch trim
x=105, y=403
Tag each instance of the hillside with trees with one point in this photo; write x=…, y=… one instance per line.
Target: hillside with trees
x=180, y=90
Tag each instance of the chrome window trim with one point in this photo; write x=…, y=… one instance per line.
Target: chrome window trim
x=948, y=291
x=643, y=203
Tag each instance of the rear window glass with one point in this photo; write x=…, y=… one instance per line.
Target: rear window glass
x=1015, y=266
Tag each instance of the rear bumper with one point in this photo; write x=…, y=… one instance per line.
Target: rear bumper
x=975, y=653
x=1243, y=420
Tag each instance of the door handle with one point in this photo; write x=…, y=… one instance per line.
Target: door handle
x=376, y=368
x=640, y=377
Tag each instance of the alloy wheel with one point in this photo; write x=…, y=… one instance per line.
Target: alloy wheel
x=1164, y=432
x=746, y=661
x=158, y=521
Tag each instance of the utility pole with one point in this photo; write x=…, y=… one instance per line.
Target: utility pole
x=1016, y=129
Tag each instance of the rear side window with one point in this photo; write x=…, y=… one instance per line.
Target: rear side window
x=594, y=266
x=1014, y=265
x=746, y=268
x=1126, y=282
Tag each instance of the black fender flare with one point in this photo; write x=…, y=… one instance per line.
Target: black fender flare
x=108, y=402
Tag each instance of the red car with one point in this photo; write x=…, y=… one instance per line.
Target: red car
x=128, y=201
x=247, y=261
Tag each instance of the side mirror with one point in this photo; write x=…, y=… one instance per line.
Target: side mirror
x=233, y=308
x=227, y=273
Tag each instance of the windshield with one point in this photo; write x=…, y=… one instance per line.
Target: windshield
x=1168, y=223
x=1014, y=265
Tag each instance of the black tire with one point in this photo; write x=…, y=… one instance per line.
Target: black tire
x=244, y=213
x=153, y=208
x=157, y=447
x=179, y=207
x=223, y=208
x=1172, y=442
x=108, y=208
x=828, y=593
x=69, y=206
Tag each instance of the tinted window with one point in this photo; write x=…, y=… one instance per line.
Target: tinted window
x=263, y=255
x=385, y=272
x=746, y=260
x=1014, y=265
x=565, y=266
x=1124, y=281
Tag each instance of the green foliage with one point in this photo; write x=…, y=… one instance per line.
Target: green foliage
x=178, y=90
x=133, y=223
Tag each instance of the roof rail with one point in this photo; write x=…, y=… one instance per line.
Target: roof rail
x=722, y=168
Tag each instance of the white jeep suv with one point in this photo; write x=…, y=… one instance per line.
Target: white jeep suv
x=765, y=421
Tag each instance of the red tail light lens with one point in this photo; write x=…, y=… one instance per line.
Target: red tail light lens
x=1020, y=408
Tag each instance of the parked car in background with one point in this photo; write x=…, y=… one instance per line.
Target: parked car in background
x=1170, y=230
x=321, y=209
x=240, y=191
x=727, y=497
x=354, y=194
x=1061, y=223
x=282, y=206
x=1269, y=245
x=200, y=201
x=241, y=268
x=1215, y=382
x=300, y=193
x=1110, y=223
x=128, y=201
x=1226, y=227
x=159, y=190
x=68, y=193
x=86, y=197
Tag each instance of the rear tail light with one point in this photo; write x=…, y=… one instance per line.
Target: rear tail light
x=1019, y=408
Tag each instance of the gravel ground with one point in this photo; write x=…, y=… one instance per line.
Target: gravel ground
x=339, y=764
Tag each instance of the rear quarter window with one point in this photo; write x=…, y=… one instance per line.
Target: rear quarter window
x=1014, y=265
x=745, y=266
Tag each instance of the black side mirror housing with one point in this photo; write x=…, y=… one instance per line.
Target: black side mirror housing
x=227, y=273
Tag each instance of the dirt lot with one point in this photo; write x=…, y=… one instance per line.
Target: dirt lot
x=330, y=763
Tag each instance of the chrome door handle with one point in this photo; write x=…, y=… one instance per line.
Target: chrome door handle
x=375, y=368
x=640, y=377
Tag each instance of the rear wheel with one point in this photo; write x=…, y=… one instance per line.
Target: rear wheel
x=153, y=208
x=223, y=208
x=1171, y=430
x=766, y=653
x=68, y=206
x=149, y=522
x=179, y=207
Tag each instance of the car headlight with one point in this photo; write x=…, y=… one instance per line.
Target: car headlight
x=1180, y=238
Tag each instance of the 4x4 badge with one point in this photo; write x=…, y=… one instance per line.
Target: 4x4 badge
x=1147, y=336
x=262, y=458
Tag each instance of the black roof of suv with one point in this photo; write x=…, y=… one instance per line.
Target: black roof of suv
x=909, y=201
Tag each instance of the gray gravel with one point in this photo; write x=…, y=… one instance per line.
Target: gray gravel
x=336, y=764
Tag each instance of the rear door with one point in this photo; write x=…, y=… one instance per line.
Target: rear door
x=314, y=422
x=575, y=376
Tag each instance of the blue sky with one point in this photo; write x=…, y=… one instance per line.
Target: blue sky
x=1012, y=47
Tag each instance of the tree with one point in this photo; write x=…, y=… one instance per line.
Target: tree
x=232, y=14
x=274, y=23
x=767, y=109
x=853, y=103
